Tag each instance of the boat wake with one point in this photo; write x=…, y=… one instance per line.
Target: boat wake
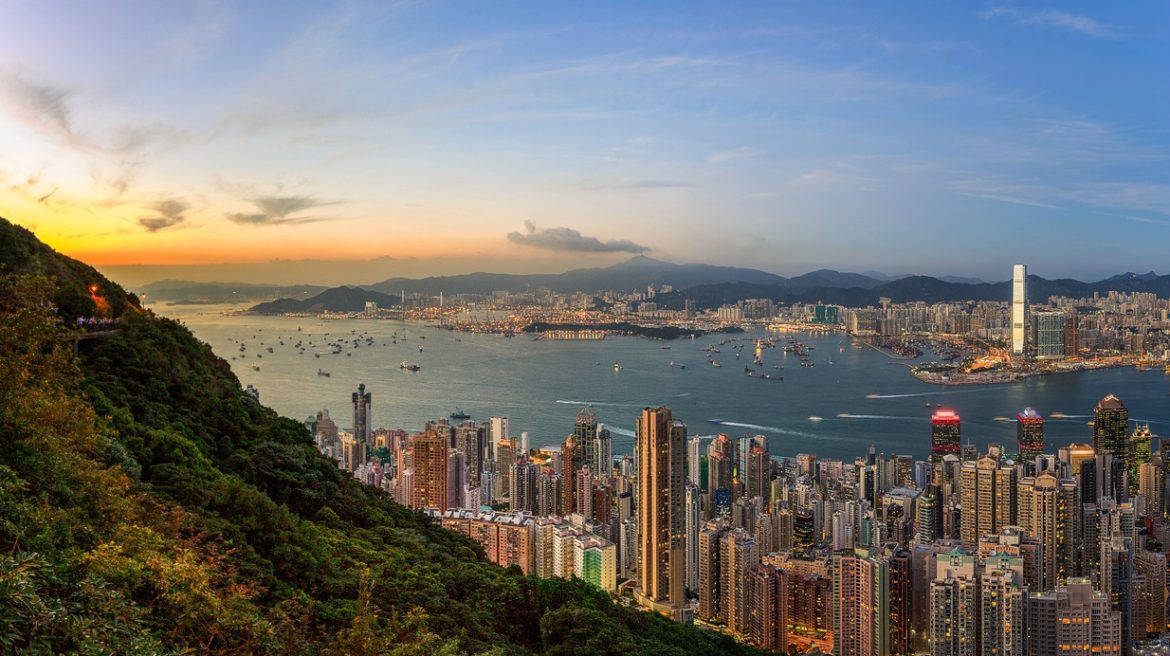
x=602, y=403
x=767, y=429
x=846, y=415
x=620, y=431
x=939, y=393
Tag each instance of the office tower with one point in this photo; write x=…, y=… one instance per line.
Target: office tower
x=505, y=458
x=1140, y=451
x=987, y=491
x=767, y=609
x=361, y=415
x=429, y=458
x=1072, y=620
x=524, y=486
x=944, y=434
x=471, y=439
x=550, y=495
x=860, y=604
x=694, y=460
x=1029, y=434
x=694, y=518
x=803, y=529
x=1048, y=335
x=585, y=436
x=1111, y=427
x=1019, y=308
x=710, y=572
x=571, y=461
x=927, y=513
x=661, y=456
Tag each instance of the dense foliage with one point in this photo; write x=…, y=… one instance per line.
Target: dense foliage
x=148, y=506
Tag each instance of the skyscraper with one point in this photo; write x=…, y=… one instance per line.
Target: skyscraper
x=571, y=461
x=361, y=415
x=860, y=604
x=585, y=435
x=661, y=530
x=987, y=491
x=1019, y=308
x=944, y=434
x=1048, y=332
x=738, y=553
x=1111, y=437
x=1029, y=434
x=1072, y=620
x=429, y=457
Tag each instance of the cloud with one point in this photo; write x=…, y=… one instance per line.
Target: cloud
x=1051, y=18
x=280, y=210
x=735, y=153
x=570, y=240
x=168, y=213
x=42, y=106
x=592, y=184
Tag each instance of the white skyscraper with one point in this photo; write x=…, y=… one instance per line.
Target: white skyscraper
x=1019, y=307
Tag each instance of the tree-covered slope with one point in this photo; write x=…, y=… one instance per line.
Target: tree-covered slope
x=148, y=506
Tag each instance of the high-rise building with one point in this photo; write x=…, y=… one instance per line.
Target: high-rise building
x=1111, y=427
x=1072, y=620
x=738, y=553
x=710, y=572
x=694, y=517
x=1029, y=434
x=1140, y=451
x=524, y=486
x=429, y=458
x=1043, y=512
x=720, y=472
x=767, y=608
x=987, y=491
x=661, y=453
x=861, y=617
x=945, y=437
x=361, y=415
x=1048, y=335
x=571, y=461
x=1019, y=308
x=694, y=460
x=550, y=495
x=585, y=436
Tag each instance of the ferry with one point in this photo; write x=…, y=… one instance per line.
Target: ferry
x=459, y=415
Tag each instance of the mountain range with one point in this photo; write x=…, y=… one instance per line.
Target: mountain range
x=709, y=286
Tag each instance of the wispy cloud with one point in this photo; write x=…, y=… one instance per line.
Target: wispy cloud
x=570, y=240
x=733, y=154
x=280, y=210
x=42, y=106
x=1051, y=18
x=169, y=213
x=624, y=185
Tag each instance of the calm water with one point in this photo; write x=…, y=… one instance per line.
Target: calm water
x=833, y=410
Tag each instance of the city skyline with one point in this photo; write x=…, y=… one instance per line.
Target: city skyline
x=855, y=138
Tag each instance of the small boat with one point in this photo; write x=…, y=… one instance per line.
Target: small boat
x=322, y=372
x=665, y=348
x=409, y=366
x=715, y=364
x=420, y=348
x=617, y=366
x=255, y=368
x=459, y=414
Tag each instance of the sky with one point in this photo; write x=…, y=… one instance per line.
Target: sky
x=428, y=137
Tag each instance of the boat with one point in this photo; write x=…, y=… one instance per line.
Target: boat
x=665, y=348
x=617, y=366
x=715, y=364
x=322, y=372
x=459, y=414
x=409, y=366
x=255, y=368
x=420, y=348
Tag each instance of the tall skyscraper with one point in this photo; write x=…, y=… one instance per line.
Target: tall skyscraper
x=945, y=436
x=1019, y=308
x=738, y=553
x=661, y=449
x=361, y=415
x=1111, y=437
x=571, y=462
x=1048, y=335
x=585, y=435
x=987, y=491
x=524, y=487
x=429, y=458
x=767, y=610
x=861, y=616
x=1029, y=434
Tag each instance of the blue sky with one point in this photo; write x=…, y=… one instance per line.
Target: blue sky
x=945, y=138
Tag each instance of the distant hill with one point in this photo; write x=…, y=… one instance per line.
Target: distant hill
x=188, y=291
x=635, y=273
x=335, y=299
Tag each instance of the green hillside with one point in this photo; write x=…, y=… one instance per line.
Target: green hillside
x=147, y=506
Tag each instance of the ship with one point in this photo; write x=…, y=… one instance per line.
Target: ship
x=409, y=366
x=322, y=372
x=459, y=415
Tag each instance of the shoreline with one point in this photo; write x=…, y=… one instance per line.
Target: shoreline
x=1006, y=377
